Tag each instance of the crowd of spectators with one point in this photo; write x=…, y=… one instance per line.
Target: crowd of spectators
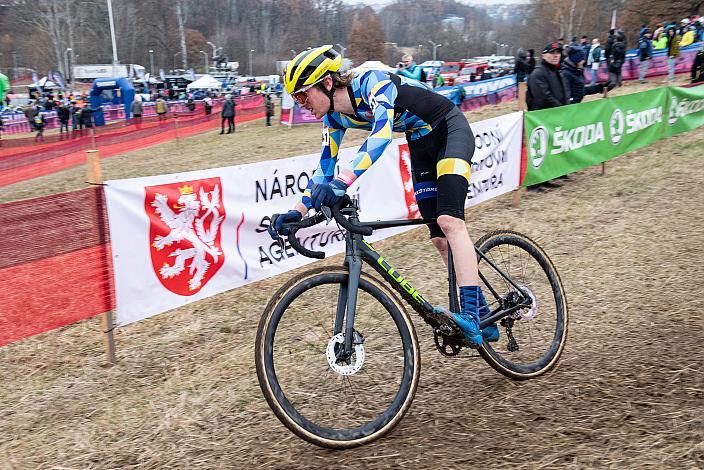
x=558, y=79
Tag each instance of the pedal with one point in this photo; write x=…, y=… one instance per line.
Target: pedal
x=442, y=319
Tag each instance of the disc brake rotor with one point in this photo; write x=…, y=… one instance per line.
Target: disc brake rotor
x=340, y=366
x=528, y=313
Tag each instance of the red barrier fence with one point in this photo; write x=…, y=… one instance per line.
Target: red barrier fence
x=55, y=264
x=22, y=159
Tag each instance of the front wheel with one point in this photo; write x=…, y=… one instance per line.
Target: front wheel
x=327, y=400
x=531, y=339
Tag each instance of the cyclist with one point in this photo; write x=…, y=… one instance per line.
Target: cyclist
x=441, y=145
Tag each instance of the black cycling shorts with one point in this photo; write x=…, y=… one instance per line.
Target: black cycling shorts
x=441, y=167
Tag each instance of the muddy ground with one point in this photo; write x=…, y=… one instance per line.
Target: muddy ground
x=627, y=393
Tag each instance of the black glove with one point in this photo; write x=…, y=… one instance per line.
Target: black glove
x=278, y=222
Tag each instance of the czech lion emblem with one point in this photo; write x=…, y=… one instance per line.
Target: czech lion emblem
x=184, y=233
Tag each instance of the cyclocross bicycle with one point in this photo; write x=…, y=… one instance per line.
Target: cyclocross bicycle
x=337, y=355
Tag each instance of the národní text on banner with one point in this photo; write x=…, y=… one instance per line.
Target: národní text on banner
x=685, y=109
x=183, y=237
x=569, y=138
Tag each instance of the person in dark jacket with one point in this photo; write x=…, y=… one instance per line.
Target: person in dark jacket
x=573, y=70
x=269, y=106
x=521, y=66
x=228, y=114
x=531, y=62
x=645, y=53
x=618, y=57
x=64, y=115
x=547, y=88
x=608, y=47
x=76, y=121
x=87, y=116
x=698, y=67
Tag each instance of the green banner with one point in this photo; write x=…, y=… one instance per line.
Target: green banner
x=566, y=139
x=686, y=109
x=4, y=87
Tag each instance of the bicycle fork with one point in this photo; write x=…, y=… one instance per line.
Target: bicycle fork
x=347, y=297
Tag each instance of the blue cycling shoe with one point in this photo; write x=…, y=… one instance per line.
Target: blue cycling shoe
x=469, y=324
x=491, y=332
x=468, y=318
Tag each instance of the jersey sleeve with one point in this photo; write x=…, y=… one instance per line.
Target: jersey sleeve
x=381, y=94
x=333, y=132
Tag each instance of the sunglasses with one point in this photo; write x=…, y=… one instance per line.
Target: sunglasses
x=301, y=95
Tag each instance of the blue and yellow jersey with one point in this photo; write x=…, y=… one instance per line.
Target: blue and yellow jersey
x=383, y=103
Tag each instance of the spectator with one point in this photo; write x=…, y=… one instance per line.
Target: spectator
x=645, y=53
x=39, y=126
x=658, y=32
x=698, y=67
x=190, y=104
x=269, y=103
x=586, y=47
x=137, y=108
x=29, y=113
x=161, y=107
x=673, y=52
x=573, y=71
x=87, y=116
x=64, y=115
x=547, y=88
x=438, y=81
x=609, y=46
x=521, y=66
x=618, y=57
x=208, y=104
x=531, y=62
x=594, y=60
x=227, y=114
x=76, y=121
x=408, y=68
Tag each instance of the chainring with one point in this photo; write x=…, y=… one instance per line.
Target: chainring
x=447, y=346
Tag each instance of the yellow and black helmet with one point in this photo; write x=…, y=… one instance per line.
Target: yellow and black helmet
x=310, y=66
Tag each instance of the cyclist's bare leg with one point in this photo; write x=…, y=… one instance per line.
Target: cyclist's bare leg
x=465, y=260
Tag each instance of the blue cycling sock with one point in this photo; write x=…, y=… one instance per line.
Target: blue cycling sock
x=470, y=301
x=484, y=309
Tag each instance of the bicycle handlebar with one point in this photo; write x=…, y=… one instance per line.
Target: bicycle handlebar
x=344, y=222
x=319, y=217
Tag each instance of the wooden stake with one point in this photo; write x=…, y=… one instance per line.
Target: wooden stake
x=522, y=91
x=603, y=168
x=516, y=196
x=94, y=176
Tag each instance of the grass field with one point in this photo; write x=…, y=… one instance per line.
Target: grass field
x=627, y=393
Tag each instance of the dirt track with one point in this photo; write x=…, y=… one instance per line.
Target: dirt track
x=628, y=392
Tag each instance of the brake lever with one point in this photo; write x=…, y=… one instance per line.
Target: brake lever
x=327, y=212
x=281, y=242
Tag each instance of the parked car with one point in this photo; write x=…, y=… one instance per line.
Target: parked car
x=471, y=72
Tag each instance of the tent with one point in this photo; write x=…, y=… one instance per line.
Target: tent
x=206, y=82
x=45, y=83
x=373, y=65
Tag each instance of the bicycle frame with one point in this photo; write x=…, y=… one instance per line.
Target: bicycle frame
x=358, y=250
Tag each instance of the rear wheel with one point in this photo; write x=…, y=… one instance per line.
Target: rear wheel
x=531, y=339
x=327, y=400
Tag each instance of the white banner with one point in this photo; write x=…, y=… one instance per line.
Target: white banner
x=183, y=237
